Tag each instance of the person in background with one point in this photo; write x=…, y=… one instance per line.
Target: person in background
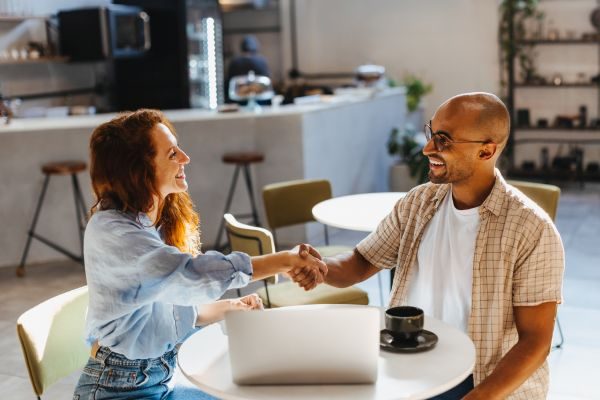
x=473, y=251
x=249, y=60
x=150, y=285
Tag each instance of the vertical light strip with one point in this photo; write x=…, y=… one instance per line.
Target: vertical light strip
x=212, y=63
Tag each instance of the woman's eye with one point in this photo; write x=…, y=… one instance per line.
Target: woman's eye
x=173, y=154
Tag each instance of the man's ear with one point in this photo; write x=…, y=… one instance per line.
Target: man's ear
x=487, y=151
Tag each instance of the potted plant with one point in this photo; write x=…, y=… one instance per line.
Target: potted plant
x=412, y=166
x=415, y=90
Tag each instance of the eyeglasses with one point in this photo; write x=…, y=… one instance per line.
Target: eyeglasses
x=441, y=141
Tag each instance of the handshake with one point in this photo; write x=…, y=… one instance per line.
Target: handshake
x=307, y=267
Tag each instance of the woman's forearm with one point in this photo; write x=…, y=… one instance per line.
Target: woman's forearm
x=270, y=264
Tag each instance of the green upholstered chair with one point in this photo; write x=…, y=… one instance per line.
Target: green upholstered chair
x=546, y=196
x=52, y=338
x=258, y=241
x=291, y=202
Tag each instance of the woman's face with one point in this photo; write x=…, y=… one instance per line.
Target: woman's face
x=169, y=162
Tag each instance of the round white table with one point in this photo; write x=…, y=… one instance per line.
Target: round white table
x=357, y=212
x=204, y=359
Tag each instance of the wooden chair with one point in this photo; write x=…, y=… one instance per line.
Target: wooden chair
x=257, y=241
x=546, y=196
x=52, y=338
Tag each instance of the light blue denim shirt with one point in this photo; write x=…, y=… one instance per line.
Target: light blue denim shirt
x=143, y=291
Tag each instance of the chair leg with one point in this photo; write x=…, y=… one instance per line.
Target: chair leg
x=380, y=283
x=560, y=332
x=227, y=205
x=248, y=179
x=80, y=224
x=326, y=235
x=21, y=268
x=267, y=292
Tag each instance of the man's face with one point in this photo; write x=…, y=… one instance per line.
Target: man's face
x=455, y=162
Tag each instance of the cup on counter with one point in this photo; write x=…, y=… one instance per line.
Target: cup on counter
x=404, y=322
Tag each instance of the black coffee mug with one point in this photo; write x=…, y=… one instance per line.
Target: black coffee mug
x=404, y=322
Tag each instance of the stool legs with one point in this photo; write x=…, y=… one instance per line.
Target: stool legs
x=236, y=172
x=254, y=214
x=80, y=213
x=81, y=219
x=21, y=267
x=251, y=194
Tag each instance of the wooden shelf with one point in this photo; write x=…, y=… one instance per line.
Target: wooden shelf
x=561, y=86
x=555, y=128
x=553, y=174
x=534, y=42
x=20, y=18
x=41, y=60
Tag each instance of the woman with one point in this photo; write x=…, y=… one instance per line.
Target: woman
x=150, y=287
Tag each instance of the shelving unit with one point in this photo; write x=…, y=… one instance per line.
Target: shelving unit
x=41, y=60
x=18, y=19
x=574, y=137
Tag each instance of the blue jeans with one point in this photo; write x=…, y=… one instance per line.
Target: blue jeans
x=457, y=392
x=113, y=376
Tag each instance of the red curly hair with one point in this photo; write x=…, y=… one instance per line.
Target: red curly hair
x=122, y=171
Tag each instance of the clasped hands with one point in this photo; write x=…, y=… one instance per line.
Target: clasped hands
x=308, y=269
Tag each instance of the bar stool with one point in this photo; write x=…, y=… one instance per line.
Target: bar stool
x=58, y=168
x=242, y=160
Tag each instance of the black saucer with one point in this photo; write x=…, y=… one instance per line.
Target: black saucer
x=425, y=341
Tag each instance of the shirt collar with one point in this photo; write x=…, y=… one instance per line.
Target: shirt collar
x=493, y=203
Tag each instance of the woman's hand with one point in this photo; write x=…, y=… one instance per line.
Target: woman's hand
x=215, y=312
x=308, y=270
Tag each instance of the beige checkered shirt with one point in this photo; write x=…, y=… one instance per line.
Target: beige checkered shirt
x=518, y=261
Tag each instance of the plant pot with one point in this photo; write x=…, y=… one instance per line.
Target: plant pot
x=400, y=179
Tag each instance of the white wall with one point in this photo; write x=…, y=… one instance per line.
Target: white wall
x=450, y=43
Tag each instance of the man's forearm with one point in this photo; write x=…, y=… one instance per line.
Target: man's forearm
x=347, y=269
x=515, y=368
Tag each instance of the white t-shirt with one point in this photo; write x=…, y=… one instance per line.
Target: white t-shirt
x=442, y=278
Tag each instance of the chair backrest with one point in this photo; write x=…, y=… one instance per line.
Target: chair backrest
x=290, y=203
x=52, y=338
x=546, y=196
x=249, y=239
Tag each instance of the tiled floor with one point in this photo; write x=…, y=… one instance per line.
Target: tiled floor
x=575, y=368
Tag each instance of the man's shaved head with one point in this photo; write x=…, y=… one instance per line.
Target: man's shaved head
x=485, y=112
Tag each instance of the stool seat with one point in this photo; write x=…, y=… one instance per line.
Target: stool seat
x=63, y=167
x=243, y=157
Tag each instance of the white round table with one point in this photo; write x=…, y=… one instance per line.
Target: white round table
x=204, y=359
x=357, y=212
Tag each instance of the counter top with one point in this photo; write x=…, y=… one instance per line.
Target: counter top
x=188, y=115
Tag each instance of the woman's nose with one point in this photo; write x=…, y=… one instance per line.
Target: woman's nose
x=185, y=159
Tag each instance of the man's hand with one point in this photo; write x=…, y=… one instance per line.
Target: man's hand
x=215, y=312
x=308, y=270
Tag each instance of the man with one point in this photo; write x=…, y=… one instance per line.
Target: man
x=249, y=60
x=472, y=251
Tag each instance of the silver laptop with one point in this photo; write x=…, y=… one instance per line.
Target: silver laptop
x=313, y=344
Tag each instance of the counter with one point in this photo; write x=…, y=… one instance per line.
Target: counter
x=342, y=141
